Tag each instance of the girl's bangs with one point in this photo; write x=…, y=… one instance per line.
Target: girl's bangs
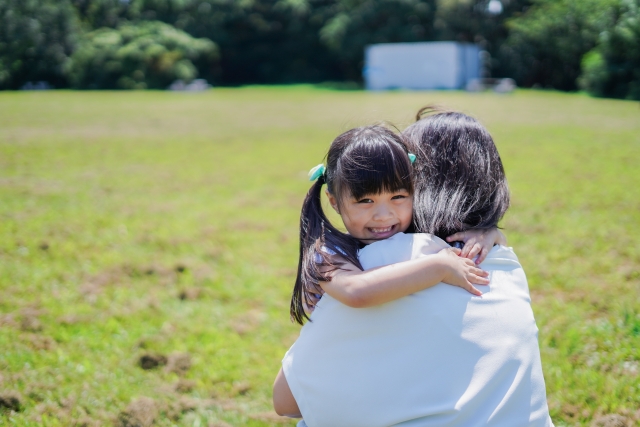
x=374, y=169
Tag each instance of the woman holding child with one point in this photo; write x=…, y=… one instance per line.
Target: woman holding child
x=388, y=344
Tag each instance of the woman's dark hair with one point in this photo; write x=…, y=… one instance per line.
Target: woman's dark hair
x=361, y=161
x=460, y=182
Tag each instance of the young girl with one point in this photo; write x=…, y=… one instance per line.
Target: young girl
x=439, y=357
x=369, y=178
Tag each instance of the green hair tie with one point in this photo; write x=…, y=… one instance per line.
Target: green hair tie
x=412, y=157
x=316, y=172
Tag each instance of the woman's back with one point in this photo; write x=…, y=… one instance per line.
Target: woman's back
x=440, y=357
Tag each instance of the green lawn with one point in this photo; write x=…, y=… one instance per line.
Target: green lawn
x=163, y=226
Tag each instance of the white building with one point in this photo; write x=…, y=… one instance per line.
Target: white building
x=428, y=65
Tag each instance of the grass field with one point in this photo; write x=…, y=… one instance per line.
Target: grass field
x=160, y=229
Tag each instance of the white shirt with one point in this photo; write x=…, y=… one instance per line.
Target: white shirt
x=439, y=357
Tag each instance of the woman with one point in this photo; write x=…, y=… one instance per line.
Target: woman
x=439, y=357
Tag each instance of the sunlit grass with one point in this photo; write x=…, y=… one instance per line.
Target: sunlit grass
x=157, y=223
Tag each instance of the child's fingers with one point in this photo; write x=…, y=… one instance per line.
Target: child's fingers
x=472, y=248
x=479, y=272
x=469, y=263
x=472, y=289
x=479, y=280
x=457, y=237
x=482, y=255
x=456, y=251
x=475, y=250
x=465, y=250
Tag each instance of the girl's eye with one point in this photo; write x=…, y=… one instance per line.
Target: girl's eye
x=399, y=196
x=365, y=201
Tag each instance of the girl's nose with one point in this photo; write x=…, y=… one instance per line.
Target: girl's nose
x=383, y=212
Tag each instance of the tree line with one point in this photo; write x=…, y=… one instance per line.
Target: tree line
x=128, y=44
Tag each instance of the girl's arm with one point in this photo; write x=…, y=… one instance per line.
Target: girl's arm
x=283, y=401
x=478, y=242
x=359, y=289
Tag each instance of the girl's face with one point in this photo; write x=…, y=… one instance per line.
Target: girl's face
x=376, y=216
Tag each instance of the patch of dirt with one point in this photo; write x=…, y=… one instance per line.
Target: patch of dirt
x=629, y=271
x=248, y=225
x=166, y=276
x=111, y=276
x=241, y=388
x=186, y=404
x=168, y=328
x=248, y=322
x=68, y=320
x=52, y=410
x=204, y=272
x=86, y=421
x=229, y=405
x=10, y=401
x=630, y=368
x=184, y=386
x=570, y=411
x=190, y=294
x=151, y=361
x=612, y=420
x=30, y=321
x=30, y=324
x=94, y=284
x=179, y=363
x=177, y=408
x=214, y=254
x=218, y=424
x=153, y=302
x=140, y=413
x=68, y=402
x=39, y=342
x=270, y=417
x=8, y=320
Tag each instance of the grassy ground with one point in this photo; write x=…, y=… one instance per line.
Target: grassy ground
x=154, y=228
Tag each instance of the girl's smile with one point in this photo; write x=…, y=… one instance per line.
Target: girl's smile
x=384, y=233
x=375, y=216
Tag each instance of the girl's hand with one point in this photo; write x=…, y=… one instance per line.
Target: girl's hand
x=478, y=242
x=462, y=272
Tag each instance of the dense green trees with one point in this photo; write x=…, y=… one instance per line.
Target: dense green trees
x=479, y=22
x=146, y=43
x=613, y=68
x=43, y=40
x=260, y=41
x=546, y=45
x=101, y=13
x=36, y=39
x=265, y=41
x=358, y=23
x=149, y=55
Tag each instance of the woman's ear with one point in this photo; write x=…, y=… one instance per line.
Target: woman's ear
x=333, y=202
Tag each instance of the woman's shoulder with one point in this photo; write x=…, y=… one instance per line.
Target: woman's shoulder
x=502, y=255
x=397, y=240
x=399, y=247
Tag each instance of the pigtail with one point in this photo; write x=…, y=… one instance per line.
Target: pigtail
x=318, y=239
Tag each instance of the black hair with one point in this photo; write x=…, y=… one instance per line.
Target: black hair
x=361, y=161
x=460, y=182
